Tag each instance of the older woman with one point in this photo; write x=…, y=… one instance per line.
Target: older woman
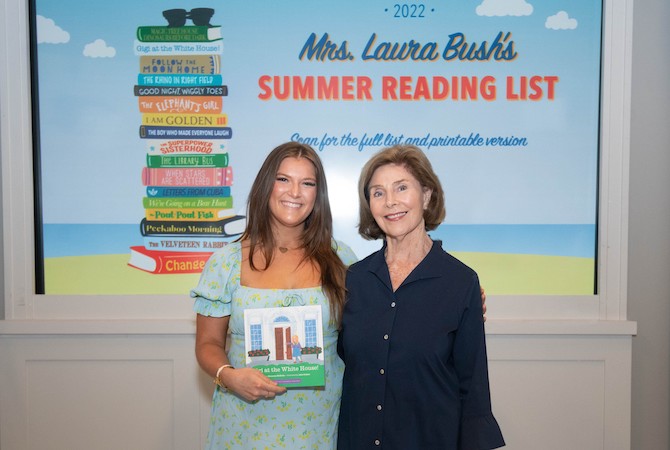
x=412, y=336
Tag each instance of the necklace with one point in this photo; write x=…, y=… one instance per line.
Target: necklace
x=285, y=249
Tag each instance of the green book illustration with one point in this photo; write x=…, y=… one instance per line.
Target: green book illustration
x=211, y=160
x=189, y=33
x=188, y=202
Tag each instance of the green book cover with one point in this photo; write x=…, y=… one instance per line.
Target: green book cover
x=286, y=344
x=188, y=33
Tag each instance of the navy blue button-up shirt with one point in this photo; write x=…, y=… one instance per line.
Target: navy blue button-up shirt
x=416, y=374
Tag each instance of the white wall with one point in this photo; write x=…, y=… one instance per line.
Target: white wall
x=649, y=225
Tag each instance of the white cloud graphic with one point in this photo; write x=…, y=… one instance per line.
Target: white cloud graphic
x=99, y=49
x=50, y=33
x=504, y=8
x=560, y=21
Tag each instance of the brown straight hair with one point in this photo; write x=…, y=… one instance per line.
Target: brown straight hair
x=417, y=163
x=317, y=237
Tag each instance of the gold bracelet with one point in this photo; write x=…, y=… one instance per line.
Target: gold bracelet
x=217, y=380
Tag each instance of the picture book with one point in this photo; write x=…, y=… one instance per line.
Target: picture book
x=178, y=34
x=188, y=191
x=187, y=176
x=286, y=344
x=188, y=202
x=167, y=262
x=230, y=226
x=186, y=243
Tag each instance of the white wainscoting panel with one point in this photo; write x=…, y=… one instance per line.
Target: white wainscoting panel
x=561, y=392
x=101, y=393
x=124, y=402
x=135, y=387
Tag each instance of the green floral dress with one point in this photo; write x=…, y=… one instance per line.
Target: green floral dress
x=299, y=419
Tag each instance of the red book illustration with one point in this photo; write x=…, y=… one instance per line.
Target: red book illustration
x=167, y=262
x=192, y=176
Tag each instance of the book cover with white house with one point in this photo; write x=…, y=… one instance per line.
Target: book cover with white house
x=286, y=344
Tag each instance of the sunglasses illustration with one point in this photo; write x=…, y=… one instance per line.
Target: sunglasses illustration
x=199, y=16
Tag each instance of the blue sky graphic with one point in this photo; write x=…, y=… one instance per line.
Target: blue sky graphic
x=92, y=155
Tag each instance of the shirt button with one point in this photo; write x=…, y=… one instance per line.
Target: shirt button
x=379, y=407
x=386, y=337
x=392, y=304
x=381, y=371
x=377, y=442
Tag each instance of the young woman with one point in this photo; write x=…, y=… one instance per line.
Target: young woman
x=286, y=255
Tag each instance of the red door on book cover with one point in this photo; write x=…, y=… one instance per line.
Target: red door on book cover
x=279, y=343
x=289, y=349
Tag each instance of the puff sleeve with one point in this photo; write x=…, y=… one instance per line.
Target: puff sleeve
x=218, y=281
x=345, y=252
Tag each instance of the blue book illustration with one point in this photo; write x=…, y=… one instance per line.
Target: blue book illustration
x=179, y=80
x=188, y=191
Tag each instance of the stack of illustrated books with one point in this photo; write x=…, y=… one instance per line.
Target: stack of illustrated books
x=188, y=176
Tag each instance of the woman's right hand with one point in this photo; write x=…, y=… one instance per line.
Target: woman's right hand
x=250, y=384
x=210, y=344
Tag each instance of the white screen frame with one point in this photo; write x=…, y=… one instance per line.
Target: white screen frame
x=21, y=302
